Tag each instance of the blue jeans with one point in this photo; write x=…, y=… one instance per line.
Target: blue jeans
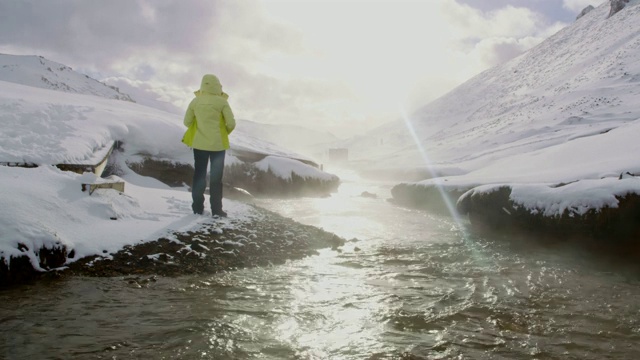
x=201, y=160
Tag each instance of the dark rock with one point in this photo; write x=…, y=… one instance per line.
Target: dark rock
x=616, y=6
x=585, y=11
x=493, y=211
x=52, y=258
x=18, y=270
x=613, y=227
x=626, y=175
x=431, y=197
x=170, y=173
x=267, y=184
x=242, y=180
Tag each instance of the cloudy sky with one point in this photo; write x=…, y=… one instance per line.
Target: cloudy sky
x=344, y=66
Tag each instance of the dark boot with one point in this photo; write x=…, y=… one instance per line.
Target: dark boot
x=219, y=213
x=197, y=209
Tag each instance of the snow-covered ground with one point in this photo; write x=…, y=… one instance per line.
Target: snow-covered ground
x=45, y=207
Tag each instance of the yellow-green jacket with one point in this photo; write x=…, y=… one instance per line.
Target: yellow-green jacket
x=212, y=114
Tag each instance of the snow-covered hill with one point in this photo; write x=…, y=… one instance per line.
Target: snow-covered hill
x=39, y=72
x=44, y=208
x=36, y=71
x=52, y=127
x=571, y=94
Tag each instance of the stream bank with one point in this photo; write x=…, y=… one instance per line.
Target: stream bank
x=220, y=245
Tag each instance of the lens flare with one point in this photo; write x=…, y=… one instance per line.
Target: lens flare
x=429, y=165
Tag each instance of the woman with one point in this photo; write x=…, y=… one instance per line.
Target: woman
x=214, y=121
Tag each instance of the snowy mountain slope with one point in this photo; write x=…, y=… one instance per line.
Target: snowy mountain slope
x=51, y=127
x=36, y=71
x=144, y=93
x=579, y=84
x=39, y=72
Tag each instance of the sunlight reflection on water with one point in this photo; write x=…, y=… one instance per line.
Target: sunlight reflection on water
x=410, y=283
x=342, y=304
x=350, y=215
x=355, y=294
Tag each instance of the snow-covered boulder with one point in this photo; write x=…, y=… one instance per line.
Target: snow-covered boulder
x=21, y=269
x=433, y=196
x=280, y=177
x=271, y=176
x=605, y=210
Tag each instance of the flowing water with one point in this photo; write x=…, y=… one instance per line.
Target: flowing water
x=413, y=286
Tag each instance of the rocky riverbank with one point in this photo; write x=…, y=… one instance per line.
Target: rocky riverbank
x=227, y=244
x=256, y=177
x=601, y=213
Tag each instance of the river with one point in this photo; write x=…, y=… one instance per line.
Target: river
x=411, y=285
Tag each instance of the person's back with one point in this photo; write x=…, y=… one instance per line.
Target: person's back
x=214, y=116
x=214, y=121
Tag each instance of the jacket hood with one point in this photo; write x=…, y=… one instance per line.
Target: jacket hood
x=223, y=94
x=211, y=84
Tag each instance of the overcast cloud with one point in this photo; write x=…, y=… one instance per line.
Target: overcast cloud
x=343, y=66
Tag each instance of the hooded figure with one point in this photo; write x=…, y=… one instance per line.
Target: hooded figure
x=213, y=115
x=214, y=121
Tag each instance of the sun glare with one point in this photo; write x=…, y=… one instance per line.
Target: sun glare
x=427, y=162
x=380, y=49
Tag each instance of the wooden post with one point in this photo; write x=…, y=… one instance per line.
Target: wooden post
x=118, y=186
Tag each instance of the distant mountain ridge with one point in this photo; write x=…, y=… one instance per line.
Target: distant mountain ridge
x=36, y=71
x=298, y=138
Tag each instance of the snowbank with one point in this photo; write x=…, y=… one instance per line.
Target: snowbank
x=45, y=207
x=575, y=199
x=285, y=168
x=282, y=177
